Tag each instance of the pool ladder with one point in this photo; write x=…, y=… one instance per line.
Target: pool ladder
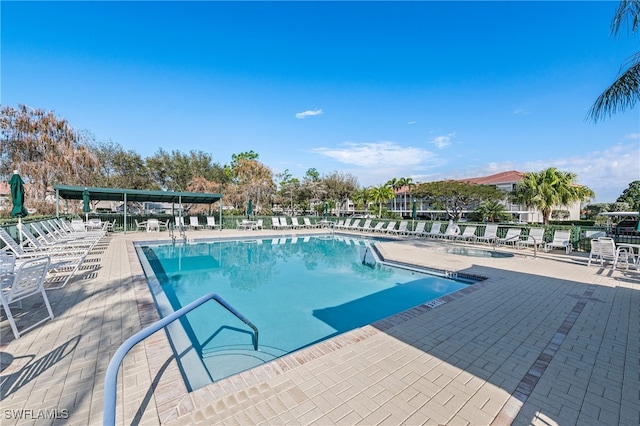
x=111, y=376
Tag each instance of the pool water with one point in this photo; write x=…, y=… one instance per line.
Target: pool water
x=296, y=291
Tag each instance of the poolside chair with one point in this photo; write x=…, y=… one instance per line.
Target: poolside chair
x=211, y=223
x=452, y=230
x=561, y=239
x=378, y=227
x=63, y=247
x=242, y=225
x=193, y=222
x=355, y=224
x=366, y=227
x=604, y=249
x=283, y=223
x=419, y=228
x=490, y=234
x=275, y=223
x=434, y=232
x=179, y=221
x=469, y=234
x=512, y=237
x=295, y=224
x=142, y=226
x=344, y=225
x=259, y=224
x=391, y=226
x=27, y=280
x=308, y=224
x=402, y=228
x=50, y=238
x=535, y=238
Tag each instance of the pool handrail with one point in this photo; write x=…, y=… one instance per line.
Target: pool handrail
x=111, y=376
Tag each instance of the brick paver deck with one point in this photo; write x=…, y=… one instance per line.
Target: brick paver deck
x=543, y=340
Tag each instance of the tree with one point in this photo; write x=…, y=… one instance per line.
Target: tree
x=625, y=90
x=45, y=149
x=455, y=196
x=380, y=194
x=252, y=180
x=408, y=182
x=549, y=188
x=361, y=198
x=491, y=211
x=173, y=171
x=394, y=184
x=340, y=186
x=631, y=195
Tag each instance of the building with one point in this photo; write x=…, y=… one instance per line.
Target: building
x=505, y=181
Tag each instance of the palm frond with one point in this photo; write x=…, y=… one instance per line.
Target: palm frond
x=630, y=8
x=622, y=94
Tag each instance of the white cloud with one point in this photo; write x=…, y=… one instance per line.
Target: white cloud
x=633, y=136
x=375, y=154
x=308, y=113
x=412, y=122
x=520, y=111
x=443, y=141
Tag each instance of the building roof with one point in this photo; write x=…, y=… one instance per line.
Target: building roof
x=119, y=194
x=511, y=176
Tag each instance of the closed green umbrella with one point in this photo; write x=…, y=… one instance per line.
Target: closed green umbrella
x=250, y=208
x=17, y=197
x=86, y=207
x=326, y=211
x=414, y=210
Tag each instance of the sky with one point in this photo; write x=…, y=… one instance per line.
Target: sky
x=380, y=90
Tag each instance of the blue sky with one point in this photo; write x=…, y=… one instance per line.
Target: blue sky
x=427, y=90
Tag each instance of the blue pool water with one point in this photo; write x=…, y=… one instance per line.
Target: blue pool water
x=296, y=292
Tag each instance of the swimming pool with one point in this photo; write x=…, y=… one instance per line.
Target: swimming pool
x=297, y=291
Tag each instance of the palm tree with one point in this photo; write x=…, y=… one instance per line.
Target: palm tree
x=361, y=197
x=408, y=182
x=625, y=91
x=395, y=185
x=492, y=211
x=381, y=194
x=548, y=188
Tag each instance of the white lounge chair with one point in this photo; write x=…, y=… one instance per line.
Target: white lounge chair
x=378, y=227
x=490, y=234
x=355, y=224
x=344, y=225
x=402, y=228
x=283, y=223
x=469, y=234
x=391, y=227
x=534, y=238
x=179, y=221
x=419, y=228
x=366, y=227
x=604, y=249
x=512, y=237
x=259, y=224
x=434, y=232
x=211, y=223
x=295, y=223
x=452, y=230
x=28, y=280
x=63, y=248
x=193, y=222
x=308, y=224
x=561, y=239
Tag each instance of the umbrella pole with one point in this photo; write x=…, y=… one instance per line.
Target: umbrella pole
x=20, y=229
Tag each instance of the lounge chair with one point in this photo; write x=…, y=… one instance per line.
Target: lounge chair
x=402, y=228
x=512, y=237
x=211, y=223
x=259, y=224
x=561, y=239
x=434, y=232
x=295, y=224
x=378, y=227
x=391, y=226
x=469, y=234
x=179, y=221
x=65, y=247
x=242, y=225
x=366, y=227
x=28, y=280
x=50, y=239
x=308, y=224
x=344, y=225
x=275, y=223
x=419, y=228
x=355, y=224
x=490, y=234
x=604, y=249
x=452, y=230
x=283, y=223
x=193, y=222
x=535, y=238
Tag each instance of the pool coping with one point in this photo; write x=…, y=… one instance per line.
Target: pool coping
x=174, y=400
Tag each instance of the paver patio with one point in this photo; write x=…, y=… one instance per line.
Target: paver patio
x=543, y=340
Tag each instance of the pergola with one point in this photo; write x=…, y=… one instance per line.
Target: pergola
x=140, y=195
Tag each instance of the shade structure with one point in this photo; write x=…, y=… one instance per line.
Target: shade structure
x=250, y=208
x=17, y=196
x=414, y=211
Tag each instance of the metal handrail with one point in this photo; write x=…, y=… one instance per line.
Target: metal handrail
x=111, y=376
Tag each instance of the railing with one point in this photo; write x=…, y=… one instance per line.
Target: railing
x=111, y=376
